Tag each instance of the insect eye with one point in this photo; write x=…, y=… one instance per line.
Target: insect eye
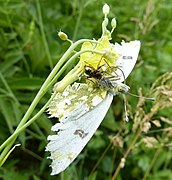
x=121, y=90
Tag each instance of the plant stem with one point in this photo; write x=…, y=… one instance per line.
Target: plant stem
x=47, y=51
x=9, y=142
x=77, y=23
x=126, y=154
x=10, y=93
x=151, y=164
x=17, y=132
x=100, y=159
x=40, y=94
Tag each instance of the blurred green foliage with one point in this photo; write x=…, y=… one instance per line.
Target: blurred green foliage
x=29, y=48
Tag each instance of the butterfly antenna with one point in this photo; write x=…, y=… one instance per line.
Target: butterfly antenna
x=152, y=99
x=125, y=108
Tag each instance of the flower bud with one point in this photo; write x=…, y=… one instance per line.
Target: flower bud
x=113, y=23
x=63, y=36
x=105, y=22
x=106, y=9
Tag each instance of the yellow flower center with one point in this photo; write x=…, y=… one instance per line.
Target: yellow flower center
x=108, y=58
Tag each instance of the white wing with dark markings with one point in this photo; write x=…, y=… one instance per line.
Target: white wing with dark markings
x=74, y=134
x=128, y=56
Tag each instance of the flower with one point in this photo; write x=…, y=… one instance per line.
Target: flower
x=109, y=55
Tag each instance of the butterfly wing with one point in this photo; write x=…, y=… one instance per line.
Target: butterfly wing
x=73, y=133
x=128, y=57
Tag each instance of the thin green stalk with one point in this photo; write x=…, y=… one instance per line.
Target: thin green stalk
x=70, y=61
x=47, y=51
x=41, y=93
x=34, y=103
x=77, y=23
x=127, y=153
x=31, y=153
x=67, y=64
x=100, y=159
x=10, y=93
x=17, y=132
x=43, y=89
x=152, y=163
x=16, y=40
x=7, y=154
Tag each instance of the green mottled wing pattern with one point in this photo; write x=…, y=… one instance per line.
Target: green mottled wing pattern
x=75, y=128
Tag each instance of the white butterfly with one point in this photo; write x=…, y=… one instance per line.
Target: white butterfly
x=81, y=109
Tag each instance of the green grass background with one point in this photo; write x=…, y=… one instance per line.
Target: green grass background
x=30, y=47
